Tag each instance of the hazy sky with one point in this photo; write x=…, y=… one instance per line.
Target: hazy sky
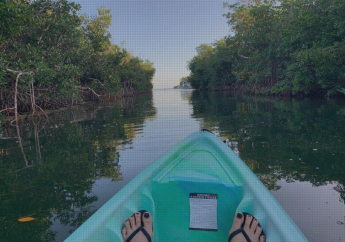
x=165, y=32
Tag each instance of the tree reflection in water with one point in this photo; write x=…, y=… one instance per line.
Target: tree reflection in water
x=294, y=140
x=52, y=179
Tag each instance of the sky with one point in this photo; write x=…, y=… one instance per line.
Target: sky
x=165, y=32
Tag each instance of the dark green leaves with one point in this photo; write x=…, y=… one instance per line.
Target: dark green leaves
x=278, y=47
x=70, y=55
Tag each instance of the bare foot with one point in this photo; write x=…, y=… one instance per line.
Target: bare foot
x=251, y=228
x=134, y=231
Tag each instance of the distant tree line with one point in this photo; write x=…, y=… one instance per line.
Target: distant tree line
x=52, y=56
x=288, y=47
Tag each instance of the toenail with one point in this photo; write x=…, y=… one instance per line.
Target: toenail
x=147, y=215
x=132, y=215
x=249, y=216
x=239, y=215
x=137, y=213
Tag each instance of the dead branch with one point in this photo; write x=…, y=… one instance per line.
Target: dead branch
x=88, y=88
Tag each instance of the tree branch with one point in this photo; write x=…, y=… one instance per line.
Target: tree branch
x=38, y=43
x=88, y=88
x=101, y=84
x=19, y=73
x=5, y=109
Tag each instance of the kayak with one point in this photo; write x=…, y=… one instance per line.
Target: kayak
x=193, y=192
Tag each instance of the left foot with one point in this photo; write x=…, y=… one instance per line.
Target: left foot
x=133, y=223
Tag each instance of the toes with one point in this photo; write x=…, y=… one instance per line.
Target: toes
x=254, y=224
x=127, y=225
x=258, y=230
x=147, y=219
x=262, y=238
x=132, y=221
x=137, y=219
x=123, y=232
x=249, y=219
x=238, y=221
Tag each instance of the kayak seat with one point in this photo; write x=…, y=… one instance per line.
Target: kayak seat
x=191, y=174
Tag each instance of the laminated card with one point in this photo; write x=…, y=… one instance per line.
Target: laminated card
x=203, y=211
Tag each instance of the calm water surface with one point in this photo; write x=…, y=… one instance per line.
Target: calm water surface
x=61, y=171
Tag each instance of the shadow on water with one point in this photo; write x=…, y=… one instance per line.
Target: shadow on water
x=48, y=172
x=294, y=140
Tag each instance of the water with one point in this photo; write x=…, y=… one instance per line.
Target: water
x=71, y=165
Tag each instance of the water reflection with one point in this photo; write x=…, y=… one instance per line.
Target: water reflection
x=80, y=158
x=51, y=177
x=286, y=142
x=298, y=140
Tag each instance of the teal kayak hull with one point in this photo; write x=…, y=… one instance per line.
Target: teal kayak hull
x=201, y=163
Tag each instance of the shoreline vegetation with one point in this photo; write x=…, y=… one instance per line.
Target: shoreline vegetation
x=277, y=47
x=52, y=56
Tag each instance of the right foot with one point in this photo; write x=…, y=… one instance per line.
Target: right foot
x=252, y=231
x=133, y=223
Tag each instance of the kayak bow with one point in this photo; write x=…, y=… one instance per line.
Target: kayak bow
x=199, y=164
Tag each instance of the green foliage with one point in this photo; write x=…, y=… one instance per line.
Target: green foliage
x=136, y=74
x=287, y=46
x=211, y=67
x=97, y=30
x=70, y=56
